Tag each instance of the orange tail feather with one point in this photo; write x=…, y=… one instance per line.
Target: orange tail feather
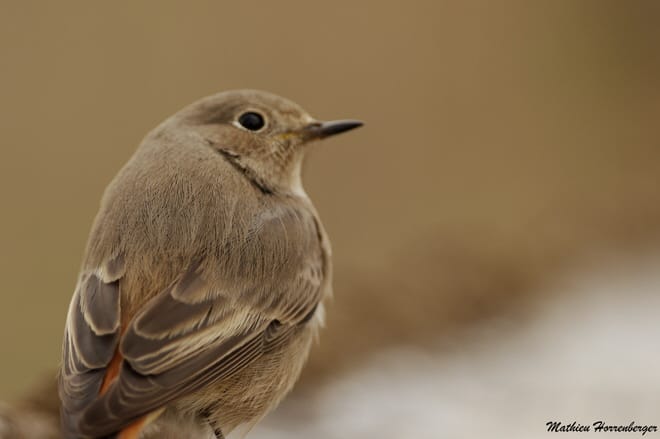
x=132, y=431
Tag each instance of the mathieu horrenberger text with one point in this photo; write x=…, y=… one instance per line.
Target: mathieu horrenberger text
x=599, y=427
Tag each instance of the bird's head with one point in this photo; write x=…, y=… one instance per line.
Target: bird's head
x=260, y=131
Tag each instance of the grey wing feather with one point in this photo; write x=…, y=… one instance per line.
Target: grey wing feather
x=90, y=340
x=201, y=341
x=162, y=363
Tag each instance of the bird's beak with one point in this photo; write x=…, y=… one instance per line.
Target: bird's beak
x=319, y=130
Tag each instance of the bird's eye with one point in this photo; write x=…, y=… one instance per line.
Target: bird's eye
x=251, y=121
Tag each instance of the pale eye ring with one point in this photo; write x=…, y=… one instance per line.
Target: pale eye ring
x=251, y=120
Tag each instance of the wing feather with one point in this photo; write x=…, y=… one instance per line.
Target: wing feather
x=90, y=341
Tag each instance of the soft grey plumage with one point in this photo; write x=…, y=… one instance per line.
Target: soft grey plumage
x=204, y=274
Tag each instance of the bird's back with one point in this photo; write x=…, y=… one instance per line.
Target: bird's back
x=169, y=217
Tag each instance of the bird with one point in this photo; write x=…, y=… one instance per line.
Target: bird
x=203, y=281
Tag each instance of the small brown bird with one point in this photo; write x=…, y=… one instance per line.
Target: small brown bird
x=203, y=281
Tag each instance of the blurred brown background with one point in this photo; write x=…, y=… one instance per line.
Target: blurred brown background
x=504, y=141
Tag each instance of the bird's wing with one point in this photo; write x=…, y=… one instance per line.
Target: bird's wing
x=191, y=334
x=91, y=337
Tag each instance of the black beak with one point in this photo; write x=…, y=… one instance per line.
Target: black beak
x=319, y=130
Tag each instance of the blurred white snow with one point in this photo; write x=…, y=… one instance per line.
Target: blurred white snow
x=589, y=351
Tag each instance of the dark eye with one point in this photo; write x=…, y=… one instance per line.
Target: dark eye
x=251, y=121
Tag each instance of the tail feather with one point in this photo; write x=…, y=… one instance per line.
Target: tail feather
x=132, y=431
